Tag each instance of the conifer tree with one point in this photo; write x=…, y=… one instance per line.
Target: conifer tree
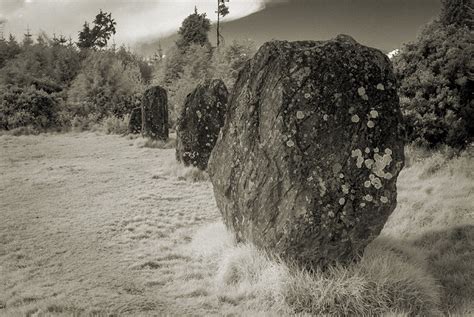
x=222, y=11
x=98, y=35
x=194, y=30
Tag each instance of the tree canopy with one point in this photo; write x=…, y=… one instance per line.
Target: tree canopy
x=194, y=30
x=98, y=35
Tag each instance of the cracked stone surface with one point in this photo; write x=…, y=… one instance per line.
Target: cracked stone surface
x=155, y=113
x=200, y=121
x=307, y=161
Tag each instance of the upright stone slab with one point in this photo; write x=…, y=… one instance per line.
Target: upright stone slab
x=155, y=113
x=307, y=162
x=135, y=123
x=200, y=122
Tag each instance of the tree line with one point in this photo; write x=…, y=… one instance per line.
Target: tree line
x=54, y=83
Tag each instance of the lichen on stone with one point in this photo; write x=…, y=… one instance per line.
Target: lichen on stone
x=374, y=114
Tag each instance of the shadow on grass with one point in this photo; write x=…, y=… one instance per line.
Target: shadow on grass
x=450, y=255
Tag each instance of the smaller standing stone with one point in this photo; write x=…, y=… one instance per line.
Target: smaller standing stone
x=135, y=123
x=155, y=113
x=200, y=122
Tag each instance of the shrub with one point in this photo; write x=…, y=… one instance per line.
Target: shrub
x=105, y=86
x=20, y=107
x=436, y=85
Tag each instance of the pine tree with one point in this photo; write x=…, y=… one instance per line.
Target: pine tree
x=222, y=11
x=99, y=34
x=194, y=30
x=28, y=38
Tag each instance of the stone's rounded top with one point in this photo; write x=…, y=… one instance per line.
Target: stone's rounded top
x=211, y=84
x=155, y=89
x=346, y=38
x=309, y=44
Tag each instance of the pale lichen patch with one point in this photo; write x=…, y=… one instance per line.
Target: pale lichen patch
x=384, y=199
x=345, y=188
x=360, y=159
x=369, y=163
x=380, y=87
x=300, y=115
x=374, y=114
x=370, y=124
x=368, y=197
x=342, y=201
x=355, y=118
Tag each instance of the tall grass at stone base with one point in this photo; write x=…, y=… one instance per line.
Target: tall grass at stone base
x=420, y=265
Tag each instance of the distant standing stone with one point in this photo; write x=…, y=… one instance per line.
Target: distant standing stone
x=307, y=161
x=200, y=122
x=135, y=123
x=155, y=113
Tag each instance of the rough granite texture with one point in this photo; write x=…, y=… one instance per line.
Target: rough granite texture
x=307, y=162
x=200, y=121
x=155, y=113
x=135, y=123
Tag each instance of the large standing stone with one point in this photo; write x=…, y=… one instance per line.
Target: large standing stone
x=307, y=161
x=135, y=122
x=155, y=113
x=200, y=122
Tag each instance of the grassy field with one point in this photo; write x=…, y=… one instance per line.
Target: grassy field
x=96, y=224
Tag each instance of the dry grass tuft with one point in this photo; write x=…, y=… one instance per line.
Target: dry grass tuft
x=184, y=173
x=114, y=125
x=383, y=282
x=141, y=142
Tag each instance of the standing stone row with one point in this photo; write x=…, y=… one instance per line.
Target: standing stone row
x=151, y=119
x=307, y=161
x=199, y=123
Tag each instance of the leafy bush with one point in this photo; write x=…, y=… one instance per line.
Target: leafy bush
x=228, y=61
x=436, y=85
x=45, y=66
x=182, y=71
x=20, y=107
x=105, y=86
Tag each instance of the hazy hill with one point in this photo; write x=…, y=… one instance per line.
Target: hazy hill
x=384, y=24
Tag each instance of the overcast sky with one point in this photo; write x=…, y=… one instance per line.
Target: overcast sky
x=385, y=24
